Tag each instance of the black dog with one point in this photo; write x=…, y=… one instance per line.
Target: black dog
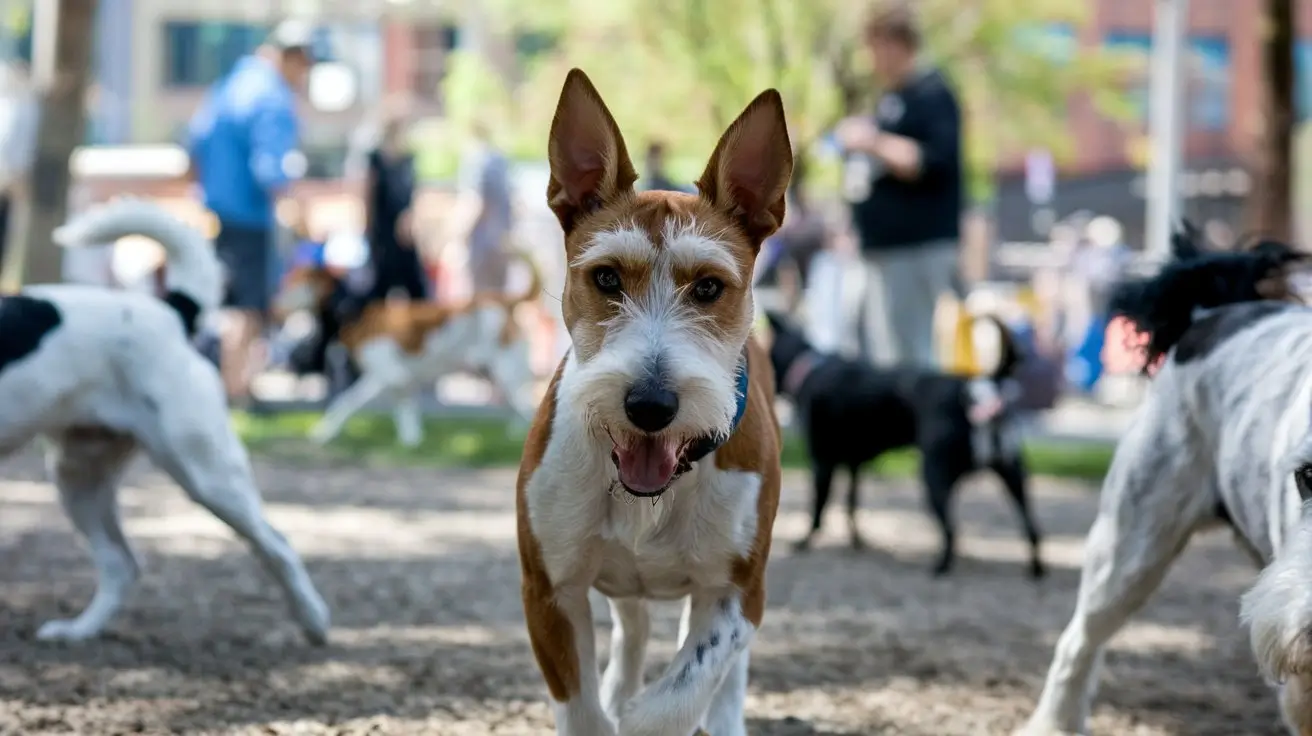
x=851, y=413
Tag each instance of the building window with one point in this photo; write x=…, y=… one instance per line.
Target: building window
x=1209, y=83
x=1138, y=47
x=198, y=54
x=1303, y=79
x=1054, y=41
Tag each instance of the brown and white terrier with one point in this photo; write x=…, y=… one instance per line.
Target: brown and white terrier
x=404, y=347
x=651, y=471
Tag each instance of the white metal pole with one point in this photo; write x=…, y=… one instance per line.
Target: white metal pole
x=1166, y=129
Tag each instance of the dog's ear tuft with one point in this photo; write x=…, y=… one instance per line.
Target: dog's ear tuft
x=590, y=166
x=747, y=176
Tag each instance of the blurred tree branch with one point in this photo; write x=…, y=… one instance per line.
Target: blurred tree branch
x=680, y=70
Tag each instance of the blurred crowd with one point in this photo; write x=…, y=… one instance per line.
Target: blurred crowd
x=877, y=274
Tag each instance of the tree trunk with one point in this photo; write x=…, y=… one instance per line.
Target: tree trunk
x=1273, y=197
x=63, y=125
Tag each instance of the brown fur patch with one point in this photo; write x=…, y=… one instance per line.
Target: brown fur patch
x=409, y=323
x=549, y=631
x=756, y=447
x=586, y=310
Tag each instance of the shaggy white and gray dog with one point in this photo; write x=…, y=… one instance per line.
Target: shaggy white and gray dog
x=102, y=374
x=1221, y=439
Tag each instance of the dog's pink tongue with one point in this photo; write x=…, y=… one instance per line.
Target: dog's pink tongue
x=647, y=464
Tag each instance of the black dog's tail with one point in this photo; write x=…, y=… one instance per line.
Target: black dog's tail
x=1164, y=305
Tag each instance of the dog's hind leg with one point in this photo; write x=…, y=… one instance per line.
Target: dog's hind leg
x=1153, y=499
x=630, y=629
x=1012, y=473
x=939, y=480
x=822, y=474
x=854, y=505
x=87, y=468
x=193, y=442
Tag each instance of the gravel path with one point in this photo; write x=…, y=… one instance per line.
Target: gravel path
x=420, y=569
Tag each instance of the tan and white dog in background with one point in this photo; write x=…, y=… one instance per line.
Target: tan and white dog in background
x=651, y=471
x=403, y=347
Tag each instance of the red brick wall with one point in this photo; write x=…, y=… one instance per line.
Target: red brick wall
x=1104, y=145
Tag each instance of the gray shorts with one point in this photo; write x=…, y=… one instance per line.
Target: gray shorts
x=245, y=253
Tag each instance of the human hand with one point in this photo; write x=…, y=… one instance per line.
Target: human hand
x=405, y=229
x=856, y=133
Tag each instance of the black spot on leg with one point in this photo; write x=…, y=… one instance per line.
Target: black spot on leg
x=735, y=636
x=726, y=605
x=685, y=672
x=714, y=639
x=25, y=322
x=701, y=652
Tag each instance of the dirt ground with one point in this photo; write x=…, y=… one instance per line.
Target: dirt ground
x=420, y=569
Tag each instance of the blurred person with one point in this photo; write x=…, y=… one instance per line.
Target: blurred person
x=20, y=112
x=389, y=227
x=240, y=143
x=655, y=168
x=483, y=216
x=908, y=212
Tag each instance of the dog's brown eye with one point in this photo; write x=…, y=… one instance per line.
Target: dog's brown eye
x=607, y=280
x=707, y=290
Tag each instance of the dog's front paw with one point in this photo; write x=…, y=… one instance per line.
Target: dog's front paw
x=321, y=434
x=66, y=630
x=315, y=620
x=647, y=716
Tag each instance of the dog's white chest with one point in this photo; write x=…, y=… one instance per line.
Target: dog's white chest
x=688, y=539
x=629, y=547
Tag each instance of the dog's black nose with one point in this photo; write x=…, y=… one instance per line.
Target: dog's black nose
x=650, y=407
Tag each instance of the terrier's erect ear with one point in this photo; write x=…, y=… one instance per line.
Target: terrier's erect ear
x=590, y=166
x=747, y=176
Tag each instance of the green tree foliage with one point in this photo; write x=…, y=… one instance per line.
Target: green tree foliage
x=679, y=70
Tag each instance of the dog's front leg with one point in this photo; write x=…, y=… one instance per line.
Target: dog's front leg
x=712, y=656
x=345, y=406
x=630, y=629
x=560, y=631
x=409, y=421
x=1151, y=505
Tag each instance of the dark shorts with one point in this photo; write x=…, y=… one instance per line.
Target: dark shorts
x=245, y=253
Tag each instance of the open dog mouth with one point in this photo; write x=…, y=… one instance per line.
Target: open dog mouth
x=648, y=464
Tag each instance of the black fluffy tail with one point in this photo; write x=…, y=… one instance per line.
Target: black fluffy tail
x=1164, y=305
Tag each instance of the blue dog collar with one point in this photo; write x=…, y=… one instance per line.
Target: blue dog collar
x=704, y=446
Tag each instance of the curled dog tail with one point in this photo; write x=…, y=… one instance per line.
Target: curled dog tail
x=193, y=276
x=534, y=288
x=1163, y=306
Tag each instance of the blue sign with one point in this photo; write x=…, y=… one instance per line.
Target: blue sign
x=1209, y=83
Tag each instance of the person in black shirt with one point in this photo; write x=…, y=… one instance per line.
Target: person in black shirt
x=906, y=207
x=388, y=195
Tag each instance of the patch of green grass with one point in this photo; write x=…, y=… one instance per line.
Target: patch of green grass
x=482, y=442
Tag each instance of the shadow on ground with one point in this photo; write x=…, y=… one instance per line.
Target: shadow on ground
x=420, y=569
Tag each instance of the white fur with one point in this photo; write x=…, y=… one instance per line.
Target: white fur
x=591, y=533
x=118, y=375
x=469, y=341
x=1223, y=431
